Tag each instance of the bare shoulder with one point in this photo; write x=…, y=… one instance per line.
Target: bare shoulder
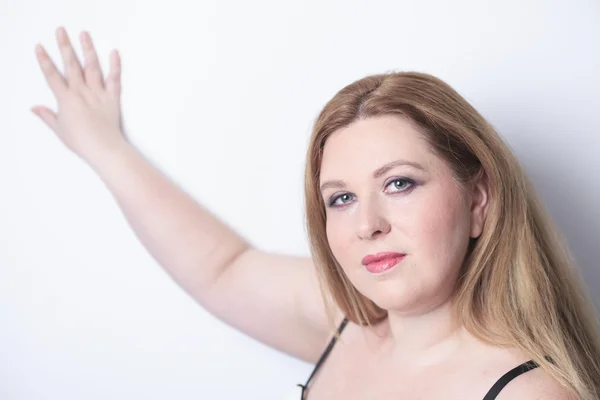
x=535, y=384
x=489, y=364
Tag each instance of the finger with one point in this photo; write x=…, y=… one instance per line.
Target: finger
x=92, y=71
x=113, y=81
x=46, y=115
x=54, y=78
x=73, y=71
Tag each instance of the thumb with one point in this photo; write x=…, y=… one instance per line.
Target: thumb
x=46, y=115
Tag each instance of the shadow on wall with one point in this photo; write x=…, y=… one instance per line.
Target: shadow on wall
x=557, y=156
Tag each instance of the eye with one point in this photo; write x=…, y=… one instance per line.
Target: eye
x=404, y=182
x=341, y=196
x=401, y=184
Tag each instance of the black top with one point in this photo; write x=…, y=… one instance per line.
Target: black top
x=491, y=394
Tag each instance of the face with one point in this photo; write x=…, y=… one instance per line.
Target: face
x=416, y=209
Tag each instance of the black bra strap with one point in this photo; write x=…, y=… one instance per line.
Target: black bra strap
x=510, y=375
x=325, y=353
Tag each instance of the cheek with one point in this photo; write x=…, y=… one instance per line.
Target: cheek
x=334, y=232
x=340, y=237
x=439, y=232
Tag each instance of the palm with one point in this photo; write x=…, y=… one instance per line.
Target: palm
x=88, y=118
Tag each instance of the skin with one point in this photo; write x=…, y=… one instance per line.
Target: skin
x=430, y=222
x=88, y=121
x=420, y=212
x=423, y=213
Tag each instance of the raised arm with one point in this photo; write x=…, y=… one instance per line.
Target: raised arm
x=273, y=298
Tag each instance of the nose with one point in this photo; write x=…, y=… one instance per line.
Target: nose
x=371, y=221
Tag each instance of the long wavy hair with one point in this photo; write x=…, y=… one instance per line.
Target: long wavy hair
x=519, y=284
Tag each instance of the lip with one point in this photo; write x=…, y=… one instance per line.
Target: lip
x=371, y=258
x=381, y=262
x=378, y=267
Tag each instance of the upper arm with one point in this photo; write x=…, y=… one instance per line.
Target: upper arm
x=275, y=299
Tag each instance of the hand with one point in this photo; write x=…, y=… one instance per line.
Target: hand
x=89, y=109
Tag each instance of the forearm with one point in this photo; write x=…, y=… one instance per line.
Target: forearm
x=190, y=243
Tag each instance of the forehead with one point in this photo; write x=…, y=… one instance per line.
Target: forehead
x=365, y=145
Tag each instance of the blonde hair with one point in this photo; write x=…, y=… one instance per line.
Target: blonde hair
x=519, y=284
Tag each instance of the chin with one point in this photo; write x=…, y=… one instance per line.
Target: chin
x=390, y=294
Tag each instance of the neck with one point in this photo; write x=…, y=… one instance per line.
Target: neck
x=423, y=338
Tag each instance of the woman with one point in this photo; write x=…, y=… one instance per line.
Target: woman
x=430, y=248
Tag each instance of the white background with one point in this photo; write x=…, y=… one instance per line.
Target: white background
x=221, y=96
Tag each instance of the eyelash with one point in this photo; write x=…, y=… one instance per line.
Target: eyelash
x=406, y=180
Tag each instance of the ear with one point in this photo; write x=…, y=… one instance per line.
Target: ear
x=480, y=196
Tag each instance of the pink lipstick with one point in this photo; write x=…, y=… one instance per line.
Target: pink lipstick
x=381, y=262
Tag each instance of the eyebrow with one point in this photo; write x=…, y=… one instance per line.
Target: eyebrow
x=376, y=174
